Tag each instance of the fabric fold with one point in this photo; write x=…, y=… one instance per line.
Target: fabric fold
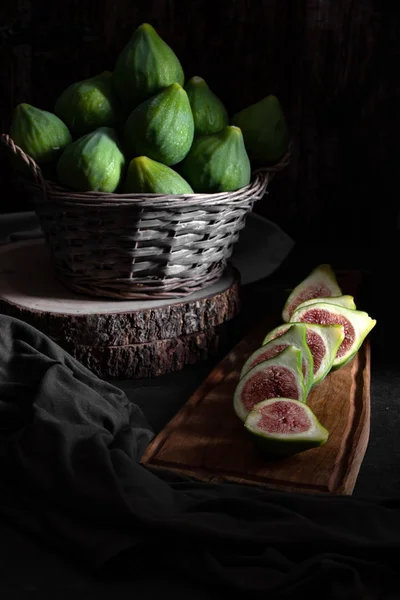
x=70, y=473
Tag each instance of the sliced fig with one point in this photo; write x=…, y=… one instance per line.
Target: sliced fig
x=321, y=282
x=282, y=427
x=280, y=376
x=294, y=336
x=357, y=324
x=344, y=300
x=276, y=332
x=323, y=342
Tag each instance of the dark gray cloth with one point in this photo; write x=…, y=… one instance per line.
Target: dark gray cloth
x=70, y=446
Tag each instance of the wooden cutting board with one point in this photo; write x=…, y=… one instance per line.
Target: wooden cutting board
x=205, y=440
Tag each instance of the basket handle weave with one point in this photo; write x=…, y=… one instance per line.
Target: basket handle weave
x=276, y=167
x=29, y=162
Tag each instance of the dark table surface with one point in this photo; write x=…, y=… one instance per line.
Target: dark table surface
x=29, y=569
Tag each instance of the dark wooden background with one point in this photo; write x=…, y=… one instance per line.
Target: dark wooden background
x=333, y=64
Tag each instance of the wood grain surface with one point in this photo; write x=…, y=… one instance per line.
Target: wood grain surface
x=206, y=440
x=114, y=338
x=150, y=359
x=332, y=64
x=34, y=295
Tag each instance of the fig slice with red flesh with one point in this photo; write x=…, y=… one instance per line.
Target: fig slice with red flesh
x=357, y=325
x=282, y=427
x=294, y=336
x=321, y=282
x=323, y=342
x=345, y=300
x=280, y=376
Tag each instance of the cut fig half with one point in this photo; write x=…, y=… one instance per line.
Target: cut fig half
x=323, y=342
x=282, y=427
x=344, y=300
x=357, y=324
x=321, y=282
x=294, y=336
x=280, y=376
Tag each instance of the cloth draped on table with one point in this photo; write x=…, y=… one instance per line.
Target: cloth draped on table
x=70, y=446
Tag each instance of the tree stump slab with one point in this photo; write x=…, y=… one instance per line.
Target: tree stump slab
x=115, y=338
x=151, y=359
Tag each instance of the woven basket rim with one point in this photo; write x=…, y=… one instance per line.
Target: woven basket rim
x=56, y=189
x=160, y=253
x=59, y=191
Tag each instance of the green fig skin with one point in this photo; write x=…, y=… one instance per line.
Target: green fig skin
x=295, y=336
x=147, y=176
x=272, y=449
x=264, y=129
x=217, y=162
x=275, y=445
x=145, y=66
x=39, y=133
x=209, y=113
x=357, y=325
x=321, y=282
x=94, y=162
x=89, y=104
x=161, y=127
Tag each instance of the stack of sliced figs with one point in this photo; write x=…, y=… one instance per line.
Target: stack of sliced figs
x=322, y=330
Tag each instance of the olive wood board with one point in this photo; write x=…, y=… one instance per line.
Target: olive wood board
x=206, y=440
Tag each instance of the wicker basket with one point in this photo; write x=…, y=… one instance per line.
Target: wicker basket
x=140, y=246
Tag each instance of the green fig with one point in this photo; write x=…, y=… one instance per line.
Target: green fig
x=357, y=325
x=94, y=162
x=145, y=66
x=147, y=176
x=281, y=427
x=161, y=127
x=321, y=282
x=217, y=162
x=323, y=342
x=209, y=113
x=89, y=104
x=294, y=336
x=39, y=133
x=343, y=300
x=264, y=130
x=278, y=377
